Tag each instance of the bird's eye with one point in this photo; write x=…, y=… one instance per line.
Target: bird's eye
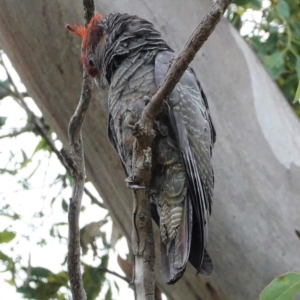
x=91, y=63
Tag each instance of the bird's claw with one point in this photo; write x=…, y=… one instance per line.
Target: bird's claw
x=146, y=100
x=135, y=128
x=133, y=184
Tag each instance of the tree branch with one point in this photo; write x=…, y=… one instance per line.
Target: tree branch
x=94, y=199
x=113, y=273
x=185, y=56
x=76, y=161
x=40, y=126
x=27, y=128
x=105, y=270
x=142, y=234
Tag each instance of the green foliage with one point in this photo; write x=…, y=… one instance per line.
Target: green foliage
x=297, y=95
x=6, y=236
x=284, y=287
x=283, y=9
x=46, y=284
x=54, y=231
x=241, y=2
x=25, y=163
x=94, y=278
x=64, y=205
x=8, y=263
x=275, y=39
x=108, y=295
x=5, y=89
x=2, y=121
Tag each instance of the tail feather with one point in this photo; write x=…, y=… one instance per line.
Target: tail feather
x=185, y=247
x=175, y=259
x=207, y=264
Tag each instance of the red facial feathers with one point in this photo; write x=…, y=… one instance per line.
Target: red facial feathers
x=91, y=35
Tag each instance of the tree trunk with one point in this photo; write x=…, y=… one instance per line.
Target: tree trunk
x=256, y=158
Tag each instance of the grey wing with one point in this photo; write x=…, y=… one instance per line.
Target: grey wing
x=113, y=140
x=193, y=128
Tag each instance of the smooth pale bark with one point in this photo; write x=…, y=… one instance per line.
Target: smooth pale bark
x=256, y=158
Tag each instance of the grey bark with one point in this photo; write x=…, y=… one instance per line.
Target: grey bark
x=256, y=158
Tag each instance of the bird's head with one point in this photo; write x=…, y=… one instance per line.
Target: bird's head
x=92, y=46
x=108, y=41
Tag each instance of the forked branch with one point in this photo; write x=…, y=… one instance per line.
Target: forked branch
x=75, y=161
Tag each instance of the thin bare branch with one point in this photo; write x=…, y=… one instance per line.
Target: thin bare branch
x=94, y=199
x=113, y=273
x=40, y=126
x=105, y=270
x=78, y=174
x=142, y=234
x=185, y=56
x=27, y=128
x=20, y=99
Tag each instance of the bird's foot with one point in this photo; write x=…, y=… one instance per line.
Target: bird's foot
x=135, y=129
x=146, y=100
x=132, y=183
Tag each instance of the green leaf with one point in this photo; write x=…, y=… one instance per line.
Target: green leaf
x=45, y=288
x=2, y=121
x=40, y=272
x=270, y=43
x=283, y=9
x=298, y=66
x=255, y=4
x=237, y=21
x=42, y=242
x=92, y=281
x=275, y=60
x=289, y=87
x=292, y=4
x=25, y=161
x=60, y=278
x=297, y=95
x=69, y=177
x=6, y=236
x=104, y=261
x=4, y=257
x=54, y=232
x=32, y=173
x=41, y=145
x=24, y=183
x=116, y=286
x=295, y=28
x=64, y=205
x=284, y=287
x=24, y=155
x=240, y=2
x=5, y=89
x=10, y=281
x=275, y=64
x=108, y=295
x=8, y=262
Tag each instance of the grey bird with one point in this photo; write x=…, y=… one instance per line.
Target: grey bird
x=126, y=53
